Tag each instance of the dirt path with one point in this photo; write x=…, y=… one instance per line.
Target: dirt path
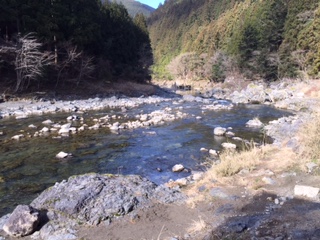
x=228, y=212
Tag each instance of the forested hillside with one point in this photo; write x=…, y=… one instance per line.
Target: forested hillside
x=135, y=7
x=54, y=42
x=213, y=38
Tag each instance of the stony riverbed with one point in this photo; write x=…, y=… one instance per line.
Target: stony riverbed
x=186, y=125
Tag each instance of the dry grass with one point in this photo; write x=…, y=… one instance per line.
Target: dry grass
x=197, y=226
x=233, y=162
x=309, y=136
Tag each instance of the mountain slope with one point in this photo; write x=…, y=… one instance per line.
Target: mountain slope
x=135, y=7
x=259, y=39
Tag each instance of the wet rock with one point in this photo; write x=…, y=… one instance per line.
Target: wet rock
x=219, y=131
x=17, y=137
x=23, y=221
x=178, y=168
x=237, y=227
x=32, y=126
x=306, y=191
x=62, y=155
x=204, y=150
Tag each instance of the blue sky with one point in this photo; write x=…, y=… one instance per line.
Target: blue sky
x=151, y=3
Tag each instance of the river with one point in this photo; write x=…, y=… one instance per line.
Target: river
x=29, y=166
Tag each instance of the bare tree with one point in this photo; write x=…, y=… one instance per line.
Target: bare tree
x=86, y=68
x=71, y=56
x=30, y=61
x=75, y=60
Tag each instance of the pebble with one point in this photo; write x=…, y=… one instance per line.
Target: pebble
x=213, y=152
x=268, y=180
x=178, y=168
x=229, y=145
x=62, y=155
x=47, y=122
x=18, y=137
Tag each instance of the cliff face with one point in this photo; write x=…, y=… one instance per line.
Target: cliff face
x=262, y=39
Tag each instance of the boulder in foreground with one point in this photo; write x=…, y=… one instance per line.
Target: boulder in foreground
x=22, y=222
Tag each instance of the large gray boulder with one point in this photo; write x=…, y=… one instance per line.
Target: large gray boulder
x=94, y=198
x=23, y=221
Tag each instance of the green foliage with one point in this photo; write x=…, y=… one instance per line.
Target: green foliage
x=260, y=35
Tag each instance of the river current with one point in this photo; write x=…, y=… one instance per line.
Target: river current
x=29, y=166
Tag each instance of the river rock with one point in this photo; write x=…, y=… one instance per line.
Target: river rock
x=229, y=145
x=189, y=98
x=32, y=126
x=23, y=221
x=213, y=152
x=44, y=130
x=219, y=131
x=18, y=137
x=230, y=134
x=65, y=128
x=47, y=122
x=254, y=123
x=94, y=198
x=62, y=155
x=178, y=168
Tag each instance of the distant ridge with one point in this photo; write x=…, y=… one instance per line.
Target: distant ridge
x=135, y=7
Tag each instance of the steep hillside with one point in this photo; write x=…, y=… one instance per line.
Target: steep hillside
x=259, y=39
x=135, y=7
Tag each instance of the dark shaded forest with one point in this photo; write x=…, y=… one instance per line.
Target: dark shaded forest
x=211, y=39
x=57, y=43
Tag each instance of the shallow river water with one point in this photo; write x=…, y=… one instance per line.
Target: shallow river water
x=29, y=166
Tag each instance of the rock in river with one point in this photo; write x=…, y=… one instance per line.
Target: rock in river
x=62, y=155
x=219, y=131
x=254, y=123
x=177, y=168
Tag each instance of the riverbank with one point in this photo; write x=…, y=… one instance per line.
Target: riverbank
x=256, y=201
